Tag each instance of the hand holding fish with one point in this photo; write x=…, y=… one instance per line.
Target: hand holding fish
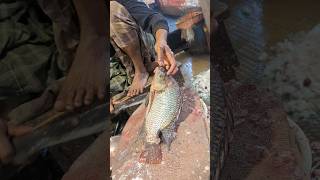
x=165, y=55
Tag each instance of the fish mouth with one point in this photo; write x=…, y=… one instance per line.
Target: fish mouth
x=160, y=72
x=162, y=69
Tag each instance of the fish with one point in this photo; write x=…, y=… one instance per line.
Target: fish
x=162, y=113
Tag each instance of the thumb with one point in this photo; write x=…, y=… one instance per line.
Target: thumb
x=16, y=131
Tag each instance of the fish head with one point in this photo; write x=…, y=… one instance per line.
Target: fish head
x=159, y=79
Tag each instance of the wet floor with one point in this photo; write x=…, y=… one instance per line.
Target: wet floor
x=193, y=64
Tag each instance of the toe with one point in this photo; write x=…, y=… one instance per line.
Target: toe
x=141, y=90
x=60, y=103
x=78, y=101
x=101, y=92
x=129, y=92
x=89, y=97
x=69, y=101
x=135, y=92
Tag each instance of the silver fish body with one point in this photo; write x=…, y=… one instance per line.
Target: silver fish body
x=163, y=110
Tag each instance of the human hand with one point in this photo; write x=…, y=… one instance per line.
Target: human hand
x=165, y=55
x=6, y=133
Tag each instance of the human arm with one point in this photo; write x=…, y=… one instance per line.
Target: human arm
x=147, y=18
x=165, y=55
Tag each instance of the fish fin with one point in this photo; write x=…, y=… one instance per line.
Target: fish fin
x=146, y=102
x=168, y=134
x=150, y=99
x=152, y=154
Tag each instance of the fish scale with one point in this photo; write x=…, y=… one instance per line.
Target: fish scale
x=164, y=110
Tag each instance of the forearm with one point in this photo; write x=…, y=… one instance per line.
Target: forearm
x=161, y=35
x=92, y=18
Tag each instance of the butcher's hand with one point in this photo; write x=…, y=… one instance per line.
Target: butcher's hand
x=165, y=55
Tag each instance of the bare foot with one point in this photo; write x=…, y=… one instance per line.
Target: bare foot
x=138, y=83
x=86, y=78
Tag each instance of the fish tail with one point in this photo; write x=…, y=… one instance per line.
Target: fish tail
x=168, y=134
x=152, y=154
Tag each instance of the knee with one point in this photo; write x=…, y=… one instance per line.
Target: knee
x=117, y=10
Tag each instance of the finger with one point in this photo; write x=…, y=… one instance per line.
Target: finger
x=89, y=96
x=167, y=67
x=171, y=59
x=6, y=150
x=172, y=68
x=160, y=56
x=78, y=101
x=169, y=54
x=175, y=70
x=16, y=131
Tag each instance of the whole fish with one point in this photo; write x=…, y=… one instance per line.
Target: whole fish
x=163, y=109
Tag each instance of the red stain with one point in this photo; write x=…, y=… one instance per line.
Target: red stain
x=126, y=135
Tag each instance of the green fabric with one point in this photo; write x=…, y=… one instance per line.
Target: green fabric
x=119, y=80
x=27, y=50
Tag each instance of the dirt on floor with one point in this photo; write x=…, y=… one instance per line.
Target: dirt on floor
x=263, y=147
x=292, y=73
